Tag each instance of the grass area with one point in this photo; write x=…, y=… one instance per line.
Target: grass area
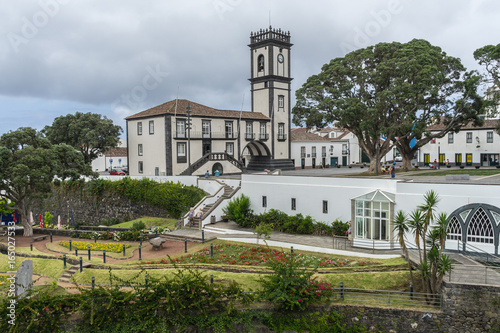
x=48, y=267
x=149, y=222
x=471, y=171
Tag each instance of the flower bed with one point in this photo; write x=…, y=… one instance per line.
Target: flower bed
x=109, y=247
x=229, y=254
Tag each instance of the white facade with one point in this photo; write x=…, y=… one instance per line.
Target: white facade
x=470, y=146
x=327, y=199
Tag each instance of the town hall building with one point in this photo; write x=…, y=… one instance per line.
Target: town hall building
x=182, y=137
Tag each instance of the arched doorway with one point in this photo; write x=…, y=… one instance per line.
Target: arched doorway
x=217, y=167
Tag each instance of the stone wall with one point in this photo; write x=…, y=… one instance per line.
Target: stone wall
x=88, y=210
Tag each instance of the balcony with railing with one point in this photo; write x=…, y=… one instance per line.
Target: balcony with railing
x=281, y=137
x=263, y=136
x=203, y=135
x=249, y=136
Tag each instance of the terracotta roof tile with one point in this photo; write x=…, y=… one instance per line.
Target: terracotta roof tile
x=116, y=152
x=488, y=124
x=306, y=136
x=198, y=110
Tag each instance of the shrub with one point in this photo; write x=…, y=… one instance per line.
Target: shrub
x=48, y=218
x=340, y=228
x=138, y=226
x=238, y=209
x=322, y=229
x=292, y=287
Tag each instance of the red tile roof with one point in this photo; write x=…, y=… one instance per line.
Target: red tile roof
x=488, y=124
x=198, y=110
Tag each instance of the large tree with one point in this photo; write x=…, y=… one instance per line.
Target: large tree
x=393, y=90
x=28, y=165
x=90, y=133
x=489, y=57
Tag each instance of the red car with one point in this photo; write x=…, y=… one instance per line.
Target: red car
x=117, y=172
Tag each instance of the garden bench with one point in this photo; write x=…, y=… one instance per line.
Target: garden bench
x=157, y=243
x=39, y=237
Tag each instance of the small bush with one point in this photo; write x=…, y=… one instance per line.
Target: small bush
x=138, y=226
x=340, y=228
x=238, y=209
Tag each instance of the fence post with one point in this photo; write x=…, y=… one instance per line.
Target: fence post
x=211, y=279
x=51, y=236
x=485, y=274
x=88, y=247
x=389, y=297
x=124, y=250
x=76, y=252
x=81, y=265
x=211, y=250
x=291, y=250
x=64, y=260
x=31, y=246
x=93, y=282
x=95, y=238
x=70, y=244
x=185, y=245
x=146, y=279
x=104, y=256
x=411, y=290
x=140, y=241
x=203, y=236
x=140, y=257
x=341, y=290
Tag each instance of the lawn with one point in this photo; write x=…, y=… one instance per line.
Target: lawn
x=149, y=222
x=445, y=171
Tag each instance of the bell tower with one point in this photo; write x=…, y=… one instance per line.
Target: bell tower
x=270, y=85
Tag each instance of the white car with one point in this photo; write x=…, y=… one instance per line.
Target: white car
x=398, y=158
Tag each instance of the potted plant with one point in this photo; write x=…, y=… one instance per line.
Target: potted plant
x=224, y=218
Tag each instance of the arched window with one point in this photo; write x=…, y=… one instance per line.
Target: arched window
x=260, y=63
x=480, y=228
x=454, y=229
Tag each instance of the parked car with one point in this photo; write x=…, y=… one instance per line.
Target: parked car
x=398, y=158
x=125, y=170
x=117, y=172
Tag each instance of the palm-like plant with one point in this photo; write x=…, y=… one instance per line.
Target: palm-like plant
x=416, y=223
x=400, y=227
x=431, y=200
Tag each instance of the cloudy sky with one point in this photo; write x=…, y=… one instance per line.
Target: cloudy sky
x=119, y=57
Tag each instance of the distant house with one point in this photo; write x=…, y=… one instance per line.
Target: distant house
x=472, y=145
x=112, y=158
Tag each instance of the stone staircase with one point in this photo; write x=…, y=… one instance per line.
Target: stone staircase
x=196, y=224
x=66, y=277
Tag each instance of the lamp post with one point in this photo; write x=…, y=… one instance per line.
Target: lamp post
x=439, y=156
x=188, y=112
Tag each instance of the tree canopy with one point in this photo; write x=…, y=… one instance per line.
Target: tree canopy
x=28, y=164
x=489, y=57
x=90, y=133
x=391, y=90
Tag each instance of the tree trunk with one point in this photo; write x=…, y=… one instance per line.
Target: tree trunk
x=25, y=222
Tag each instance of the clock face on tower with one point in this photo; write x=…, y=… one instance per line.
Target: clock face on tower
x=280, y=58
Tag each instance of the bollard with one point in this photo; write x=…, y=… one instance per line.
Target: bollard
x=185, y=245
x=89, y=251
x=211, y=250
x=51, y=236
x=76, y=252
x=70, y=244
x=93, y=282
x=291, y=250
x=81, y=265
x=211, y=279
x=95, y=238
x=411, y=290
x=104, y=256
x=124, y=250
x=203, y=236
x=156, y=232
x=31, y=246
x=341, y=290
x=64, y=260
x=140, y=257
x=146, y=279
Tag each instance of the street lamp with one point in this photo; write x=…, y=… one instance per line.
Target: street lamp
x=188, y=112
x=439, y=156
